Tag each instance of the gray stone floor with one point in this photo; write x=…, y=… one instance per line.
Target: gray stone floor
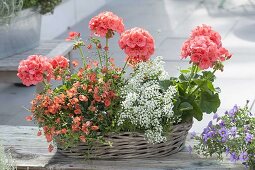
x=170, y=22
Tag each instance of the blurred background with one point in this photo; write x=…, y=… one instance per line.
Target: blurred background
x=169, y=21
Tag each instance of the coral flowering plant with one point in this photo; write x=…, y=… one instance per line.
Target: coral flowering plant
x=196, y=92
x=96, y=98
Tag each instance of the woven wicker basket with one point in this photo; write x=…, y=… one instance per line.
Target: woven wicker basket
x=132, y=145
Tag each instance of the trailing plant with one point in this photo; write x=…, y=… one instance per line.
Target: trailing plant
x=231, y=134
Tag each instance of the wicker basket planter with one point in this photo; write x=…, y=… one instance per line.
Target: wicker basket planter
x=132, y=145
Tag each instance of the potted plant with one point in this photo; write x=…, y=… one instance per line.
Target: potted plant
x=98, y=110
x=20, y=23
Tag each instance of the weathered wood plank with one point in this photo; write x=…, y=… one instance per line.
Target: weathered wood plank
x=30, y=152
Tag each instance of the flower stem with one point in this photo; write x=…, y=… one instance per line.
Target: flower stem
x=82, y=56
x=193, y=72
x=106, y=51
x=124, y=65
x=202, y=83
x=99, y=56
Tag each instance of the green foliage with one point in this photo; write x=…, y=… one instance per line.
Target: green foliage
x=8, y=8
x=44, y=6
x=196, y=93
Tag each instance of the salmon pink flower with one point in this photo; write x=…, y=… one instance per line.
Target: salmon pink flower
x=39, y=133
x=50, y=148
x=48, y=137
x=73, y=36
x=64, y=131
x=83, y=98
x=82, y=138
x=101, y=24
x=75, y=63
x=107, y=102
x=34, y=70
x=206, y=30
x=29, y=118
x=138, y=44
x=204, y=48
x=94, y=128
x=59, y=62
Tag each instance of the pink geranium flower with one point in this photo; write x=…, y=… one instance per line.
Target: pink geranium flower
x=204, y=48
x=138, y=44
x=59, y=62
x=205, y=30
x=104, y=22
x=73, y=36
x=34, y=70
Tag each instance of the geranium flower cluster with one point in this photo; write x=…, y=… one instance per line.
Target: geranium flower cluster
x=105, y=22
x=34, y=70
x=146, y=105
x=138, y=44
x=204, y=47
x=232, y=134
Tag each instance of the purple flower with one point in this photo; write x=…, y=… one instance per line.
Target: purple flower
x=210, y=124
x=192, y=135
x=222, y=124
x=205, y=137
x=246, y=128
x=223, y=132
x=243, y=157
x=206, y=130
x=233, y=157
x=235, y=108
x=224, y=139
x=227, y=151
x=215, y=116
x=248, y=137
x=233, y=111
x=233, y=131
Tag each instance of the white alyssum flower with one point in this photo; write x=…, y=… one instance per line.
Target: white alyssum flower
x=145, y=104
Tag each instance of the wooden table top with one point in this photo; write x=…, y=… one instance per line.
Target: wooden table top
x=30, y=152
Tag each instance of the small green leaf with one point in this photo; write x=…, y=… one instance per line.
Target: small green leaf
x=185, y=106
x=210, y=86
x=208, y=74
x=185, y=71
x=184, y=77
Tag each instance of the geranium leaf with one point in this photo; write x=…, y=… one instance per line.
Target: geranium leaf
x=209, y=102
x=184, y=106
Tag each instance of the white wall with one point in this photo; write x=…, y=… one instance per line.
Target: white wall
x=68, y=13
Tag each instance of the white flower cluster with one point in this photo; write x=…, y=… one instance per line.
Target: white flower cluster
x=145, y=104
